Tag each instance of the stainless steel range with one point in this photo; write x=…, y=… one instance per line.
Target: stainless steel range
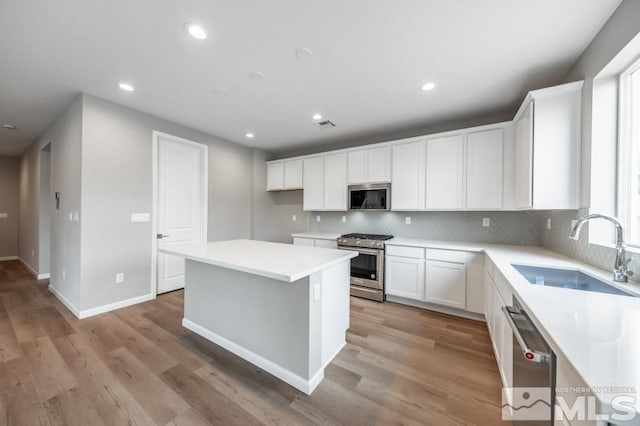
x=367, y=270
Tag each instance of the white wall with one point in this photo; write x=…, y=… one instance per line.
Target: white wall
x=46, y=205
x=117, y=181
x=9, y=179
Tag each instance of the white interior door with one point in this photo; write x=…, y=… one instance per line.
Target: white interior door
x=181, y=209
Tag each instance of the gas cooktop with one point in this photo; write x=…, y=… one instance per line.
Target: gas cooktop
x=367, y=236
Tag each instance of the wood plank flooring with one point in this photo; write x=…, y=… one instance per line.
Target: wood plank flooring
x=138, y=366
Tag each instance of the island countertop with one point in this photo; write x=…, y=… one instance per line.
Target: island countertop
x=284, y=262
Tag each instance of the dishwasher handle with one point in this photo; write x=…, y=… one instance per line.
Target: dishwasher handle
x=528, y=353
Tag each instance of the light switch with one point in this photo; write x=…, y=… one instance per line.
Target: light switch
x=294, y=218
x=70, y=217
x=407, y=220
x=316, y=292
x=344, y=219
x=140, y=217
x=318, y=218
x=4, y=215
x=76, y=217
x=119, y=278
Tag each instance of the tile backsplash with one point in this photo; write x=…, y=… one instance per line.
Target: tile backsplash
x=505, y=227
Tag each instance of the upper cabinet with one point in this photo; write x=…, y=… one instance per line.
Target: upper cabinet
x=485, y=169
x=408, y=188
x=547, y=141
x=369, y=166
x=325, y=183
x=445, y=173
x=284, y=175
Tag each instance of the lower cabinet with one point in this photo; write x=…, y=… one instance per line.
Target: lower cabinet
x=404, y=277
x=449, y=278
x=315, y=242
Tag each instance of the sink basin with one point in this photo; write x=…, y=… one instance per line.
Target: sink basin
x=567, y=278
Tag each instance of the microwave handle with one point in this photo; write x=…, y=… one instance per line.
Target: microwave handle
x=528, y=353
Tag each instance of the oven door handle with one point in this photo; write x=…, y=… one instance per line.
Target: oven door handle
x=528, y=353
x=361, y=250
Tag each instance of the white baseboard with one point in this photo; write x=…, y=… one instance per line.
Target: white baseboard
x=436, y=308
x=5, y=258
x=117, y=305
x=66, y=302
x=29, y=267
x=44, y=276
x=306, y=386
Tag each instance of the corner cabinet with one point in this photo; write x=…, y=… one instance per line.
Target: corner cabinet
x=547, y=141
x=284, y=175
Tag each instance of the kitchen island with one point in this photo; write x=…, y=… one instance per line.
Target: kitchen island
x=284, y=308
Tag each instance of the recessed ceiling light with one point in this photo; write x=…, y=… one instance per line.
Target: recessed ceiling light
x=126, y=87
x=249, y=136
x=9, y=127
x=428, y=86
x=195, y=30
x=317, y=117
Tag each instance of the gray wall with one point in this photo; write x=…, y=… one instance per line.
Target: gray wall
x=273, y=211
x=117, y=181
x=506, y=227
x=65, y=137
x=44, y=211
x=621, y=28
x=9, y=184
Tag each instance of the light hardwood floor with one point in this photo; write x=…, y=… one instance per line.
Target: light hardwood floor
x=139, y=366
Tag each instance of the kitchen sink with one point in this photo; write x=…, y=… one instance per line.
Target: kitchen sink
x=567, y=278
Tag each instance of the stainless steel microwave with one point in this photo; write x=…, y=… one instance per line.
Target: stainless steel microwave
x=371, y=197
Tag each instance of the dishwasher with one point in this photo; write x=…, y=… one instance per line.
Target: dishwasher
x=534, y=371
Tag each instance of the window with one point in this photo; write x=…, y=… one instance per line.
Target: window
x=629, y=153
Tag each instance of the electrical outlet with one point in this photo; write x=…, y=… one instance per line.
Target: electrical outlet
x=76, y=217
x=70, y=217
x=318, y=218
x=486, y=222
x=549, y=223
x=344, y=219
x=140, y=217
x=294, y=218
x=407, y=220
x=119, y=277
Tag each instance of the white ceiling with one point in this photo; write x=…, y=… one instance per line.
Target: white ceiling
x=369, y=60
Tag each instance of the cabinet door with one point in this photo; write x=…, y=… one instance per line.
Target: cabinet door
x=523, y=188
x=357, y=165
x=485, y=169
x=326, y=243
x=293, y=174
x=445, y=173
x=379, y=165
x=335, y=182
x=404, y=277
x=313, y=183
x=446, y=283
x=408, y=176
x=299, y=241
x=275, y=176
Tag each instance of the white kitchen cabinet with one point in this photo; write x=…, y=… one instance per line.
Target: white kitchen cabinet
x=284, y=175
x=335, y=182
x=315, y=242
x=293, y=174
x=408, y=176
x=547, y=141
x=404, y=277
x=445, y=173
x=313, y=184
x=275, y=176
x=446, y=283
x=484, y=178
x=369, y=166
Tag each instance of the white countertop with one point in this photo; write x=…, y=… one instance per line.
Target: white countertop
x=284, y=262
x=599, y=334
x=317, y=235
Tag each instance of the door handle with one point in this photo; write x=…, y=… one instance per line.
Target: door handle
x=528, y=353
x=161, y=236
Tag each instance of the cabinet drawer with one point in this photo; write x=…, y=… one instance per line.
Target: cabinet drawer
x=403, y=251
x=447, y=255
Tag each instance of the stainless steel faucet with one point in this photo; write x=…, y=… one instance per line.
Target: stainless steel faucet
x=620, y=272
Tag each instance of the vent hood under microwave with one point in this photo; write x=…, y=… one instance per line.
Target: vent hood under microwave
x=371, y=197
